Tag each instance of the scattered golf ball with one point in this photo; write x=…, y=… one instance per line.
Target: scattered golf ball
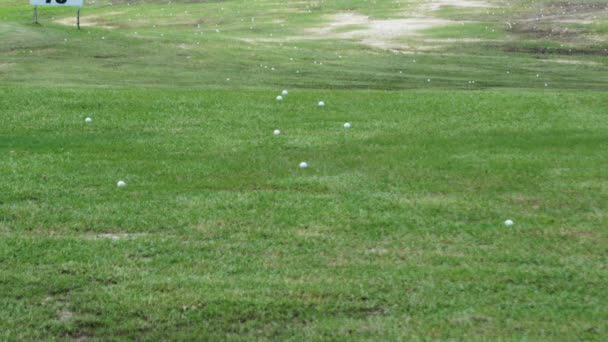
x=508, y=223
x=303, y=165
x=276, y=132
x=279, y=98
x=121, y=184
x=347, y=125
x=321, y=104
x=88, y=120
x=284, y=92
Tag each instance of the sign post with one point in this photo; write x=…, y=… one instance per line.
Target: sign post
x=77, y=3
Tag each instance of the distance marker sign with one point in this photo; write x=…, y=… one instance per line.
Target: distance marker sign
x=56, y=2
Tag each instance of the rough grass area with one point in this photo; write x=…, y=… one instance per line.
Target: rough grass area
x=394, y=231
x=268, y=43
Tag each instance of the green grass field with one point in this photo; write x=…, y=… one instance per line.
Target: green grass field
x=394, y=231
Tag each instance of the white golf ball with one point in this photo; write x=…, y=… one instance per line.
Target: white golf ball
x=88, y=120
x=321, y=104
x=508, y=223
x=347, y=125
x=284, y=92
x=121, y=184
x=279, y=98
x=276, y=132
x=303, y=165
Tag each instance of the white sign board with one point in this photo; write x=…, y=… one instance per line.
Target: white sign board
x=56, y=2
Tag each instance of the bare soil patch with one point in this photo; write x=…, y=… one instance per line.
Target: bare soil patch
x=382, y=34
x=561, y=21
x=111, y=236
x=65, y=315
x=385, y=34
x=590, y=51
x=87, y=21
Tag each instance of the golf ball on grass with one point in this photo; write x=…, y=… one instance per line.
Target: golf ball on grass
x=121, y=184
x=279, y=98
x=284, y=92
x=303, y=165
x=321, y=104
x=88, y=120
x=347, y=125
x=508, y=223
x=276, y=132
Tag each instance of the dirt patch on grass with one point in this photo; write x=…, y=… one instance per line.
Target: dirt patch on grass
x=569, y=233
x=377, y=251
x=391, y=28
x=469, y=319
x=382, y=34
x=571, y=6
x=387, y=34
x=591, y=51
x=112, y=236
x=185, y=46
x=578, y=233
x=91, y=20
x=122, y=2
x=436, y=5
x=309, y=233
x=88, y=21
x=561, y=21
x=570, y=61
x=452, y=40
x=65, y=315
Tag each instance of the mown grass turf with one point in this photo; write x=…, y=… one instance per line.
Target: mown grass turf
x=394, y=232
